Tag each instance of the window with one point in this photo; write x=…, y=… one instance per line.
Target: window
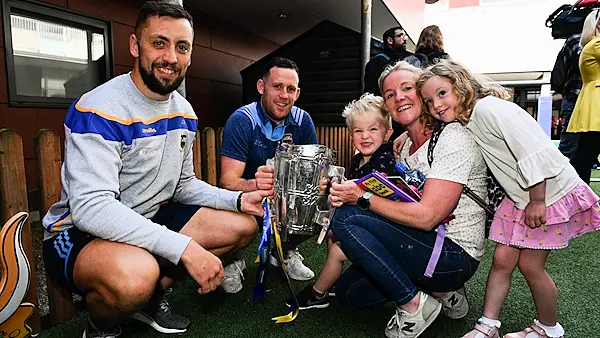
x=53, y=55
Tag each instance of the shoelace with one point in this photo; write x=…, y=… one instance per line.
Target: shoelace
x=238, y=266
x=163, y=304
x=395, y=321
x=295, y=256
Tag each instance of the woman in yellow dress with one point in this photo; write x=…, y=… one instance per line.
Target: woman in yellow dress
x=586, y=115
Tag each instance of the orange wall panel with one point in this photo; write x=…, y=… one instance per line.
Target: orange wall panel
x=122, y=56
x=230, y=39
x=214, y=65
x=124, y=12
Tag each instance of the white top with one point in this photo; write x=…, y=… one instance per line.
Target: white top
x=518, y=152
x=456, y=158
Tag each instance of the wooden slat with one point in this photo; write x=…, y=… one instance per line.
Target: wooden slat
x=13, y=199
x=48, y=157
x=218, y=151
x=209, y=156
x=339, y=140
x=197, y=155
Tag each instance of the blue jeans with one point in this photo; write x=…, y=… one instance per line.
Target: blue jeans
x=389, y=260
x=568, y=141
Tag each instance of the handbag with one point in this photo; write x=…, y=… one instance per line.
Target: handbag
x=567, y=20
x=495, y=192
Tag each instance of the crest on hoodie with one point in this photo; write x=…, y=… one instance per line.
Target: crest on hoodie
x=182, y=142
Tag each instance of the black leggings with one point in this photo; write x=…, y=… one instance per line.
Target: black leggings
x=587, y=153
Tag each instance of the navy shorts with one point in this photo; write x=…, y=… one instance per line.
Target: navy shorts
x=61, y=251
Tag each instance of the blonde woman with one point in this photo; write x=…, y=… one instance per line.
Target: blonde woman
x=586, y=115
x=391, y=244
x=370, y=127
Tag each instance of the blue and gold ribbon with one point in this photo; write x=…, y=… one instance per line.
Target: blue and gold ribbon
x=264, y=247
x=263, y=264
x=294, y=307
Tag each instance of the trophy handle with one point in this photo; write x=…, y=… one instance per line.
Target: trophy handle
x=324, y=217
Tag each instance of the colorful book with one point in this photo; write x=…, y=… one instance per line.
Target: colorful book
x=393, y=188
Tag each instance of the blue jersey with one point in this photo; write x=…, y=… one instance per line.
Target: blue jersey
x=244, y=140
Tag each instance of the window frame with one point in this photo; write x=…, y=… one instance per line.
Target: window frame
x=60, y=15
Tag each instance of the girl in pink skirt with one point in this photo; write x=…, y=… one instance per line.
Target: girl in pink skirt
x=547, y=204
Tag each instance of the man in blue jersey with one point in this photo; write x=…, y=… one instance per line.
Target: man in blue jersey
x=132, y=215
x=251, y=135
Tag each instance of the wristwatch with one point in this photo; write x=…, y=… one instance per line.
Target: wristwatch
x=363, y=202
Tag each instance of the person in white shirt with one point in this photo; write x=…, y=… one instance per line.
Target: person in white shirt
x=546, y=204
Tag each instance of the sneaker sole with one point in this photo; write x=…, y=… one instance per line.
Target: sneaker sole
x=144, y=318
x=319, y=306
x=316, y=306
x=300, y=279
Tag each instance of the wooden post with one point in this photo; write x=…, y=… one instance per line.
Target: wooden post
x=13, y=199
x=48, y=158
x=209, y=156
x=197, y=154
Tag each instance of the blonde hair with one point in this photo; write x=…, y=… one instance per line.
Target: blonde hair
x=367, y=105
x=467, y=86
x=431, y=38
x=425, y=119
x=590, y=27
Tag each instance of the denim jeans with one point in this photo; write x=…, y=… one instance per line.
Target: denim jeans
x=568, y=141
x=389, y=260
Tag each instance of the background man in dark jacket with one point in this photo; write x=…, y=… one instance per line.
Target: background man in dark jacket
x=394, y=40
x=566, y=79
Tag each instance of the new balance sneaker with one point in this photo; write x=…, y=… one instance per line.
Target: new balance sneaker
x=295, y=266
x=234, y=275
x=309, y=299
x=159, y=316
x=455, y=304
x=91, y=332
x=411, y=325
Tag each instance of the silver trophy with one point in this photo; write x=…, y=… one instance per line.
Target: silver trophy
x=301, y=207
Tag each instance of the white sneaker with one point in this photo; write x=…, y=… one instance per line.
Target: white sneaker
x=411, y=325
x=295, y=267
x=234, y=274
x=455, y=304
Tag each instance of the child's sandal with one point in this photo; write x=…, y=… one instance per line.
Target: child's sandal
x=533, y=328
x=480, y=329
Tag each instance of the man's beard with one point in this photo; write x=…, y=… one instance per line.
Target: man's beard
x=154, y=84
x=399, y=47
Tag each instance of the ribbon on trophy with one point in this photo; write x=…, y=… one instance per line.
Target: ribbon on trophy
x=264, y=248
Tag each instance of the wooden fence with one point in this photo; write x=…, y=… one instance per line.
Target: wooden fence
x=13, y=191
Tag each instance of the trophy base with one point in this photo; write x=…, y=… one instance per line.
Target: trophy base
x=298, y=231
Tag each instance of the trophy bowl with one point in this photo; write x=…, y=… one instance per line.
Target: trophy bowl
x=301, y=206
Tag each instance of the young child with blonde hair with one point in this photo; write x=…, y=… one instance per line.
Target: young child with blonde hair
x=547, y=204
x=370, y=127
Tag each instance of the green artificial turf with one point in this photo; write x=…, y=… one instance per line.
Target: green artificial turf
x=575, y=271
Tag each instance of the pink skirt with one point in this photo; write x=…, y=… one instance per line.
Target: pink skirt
x=573, y=215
